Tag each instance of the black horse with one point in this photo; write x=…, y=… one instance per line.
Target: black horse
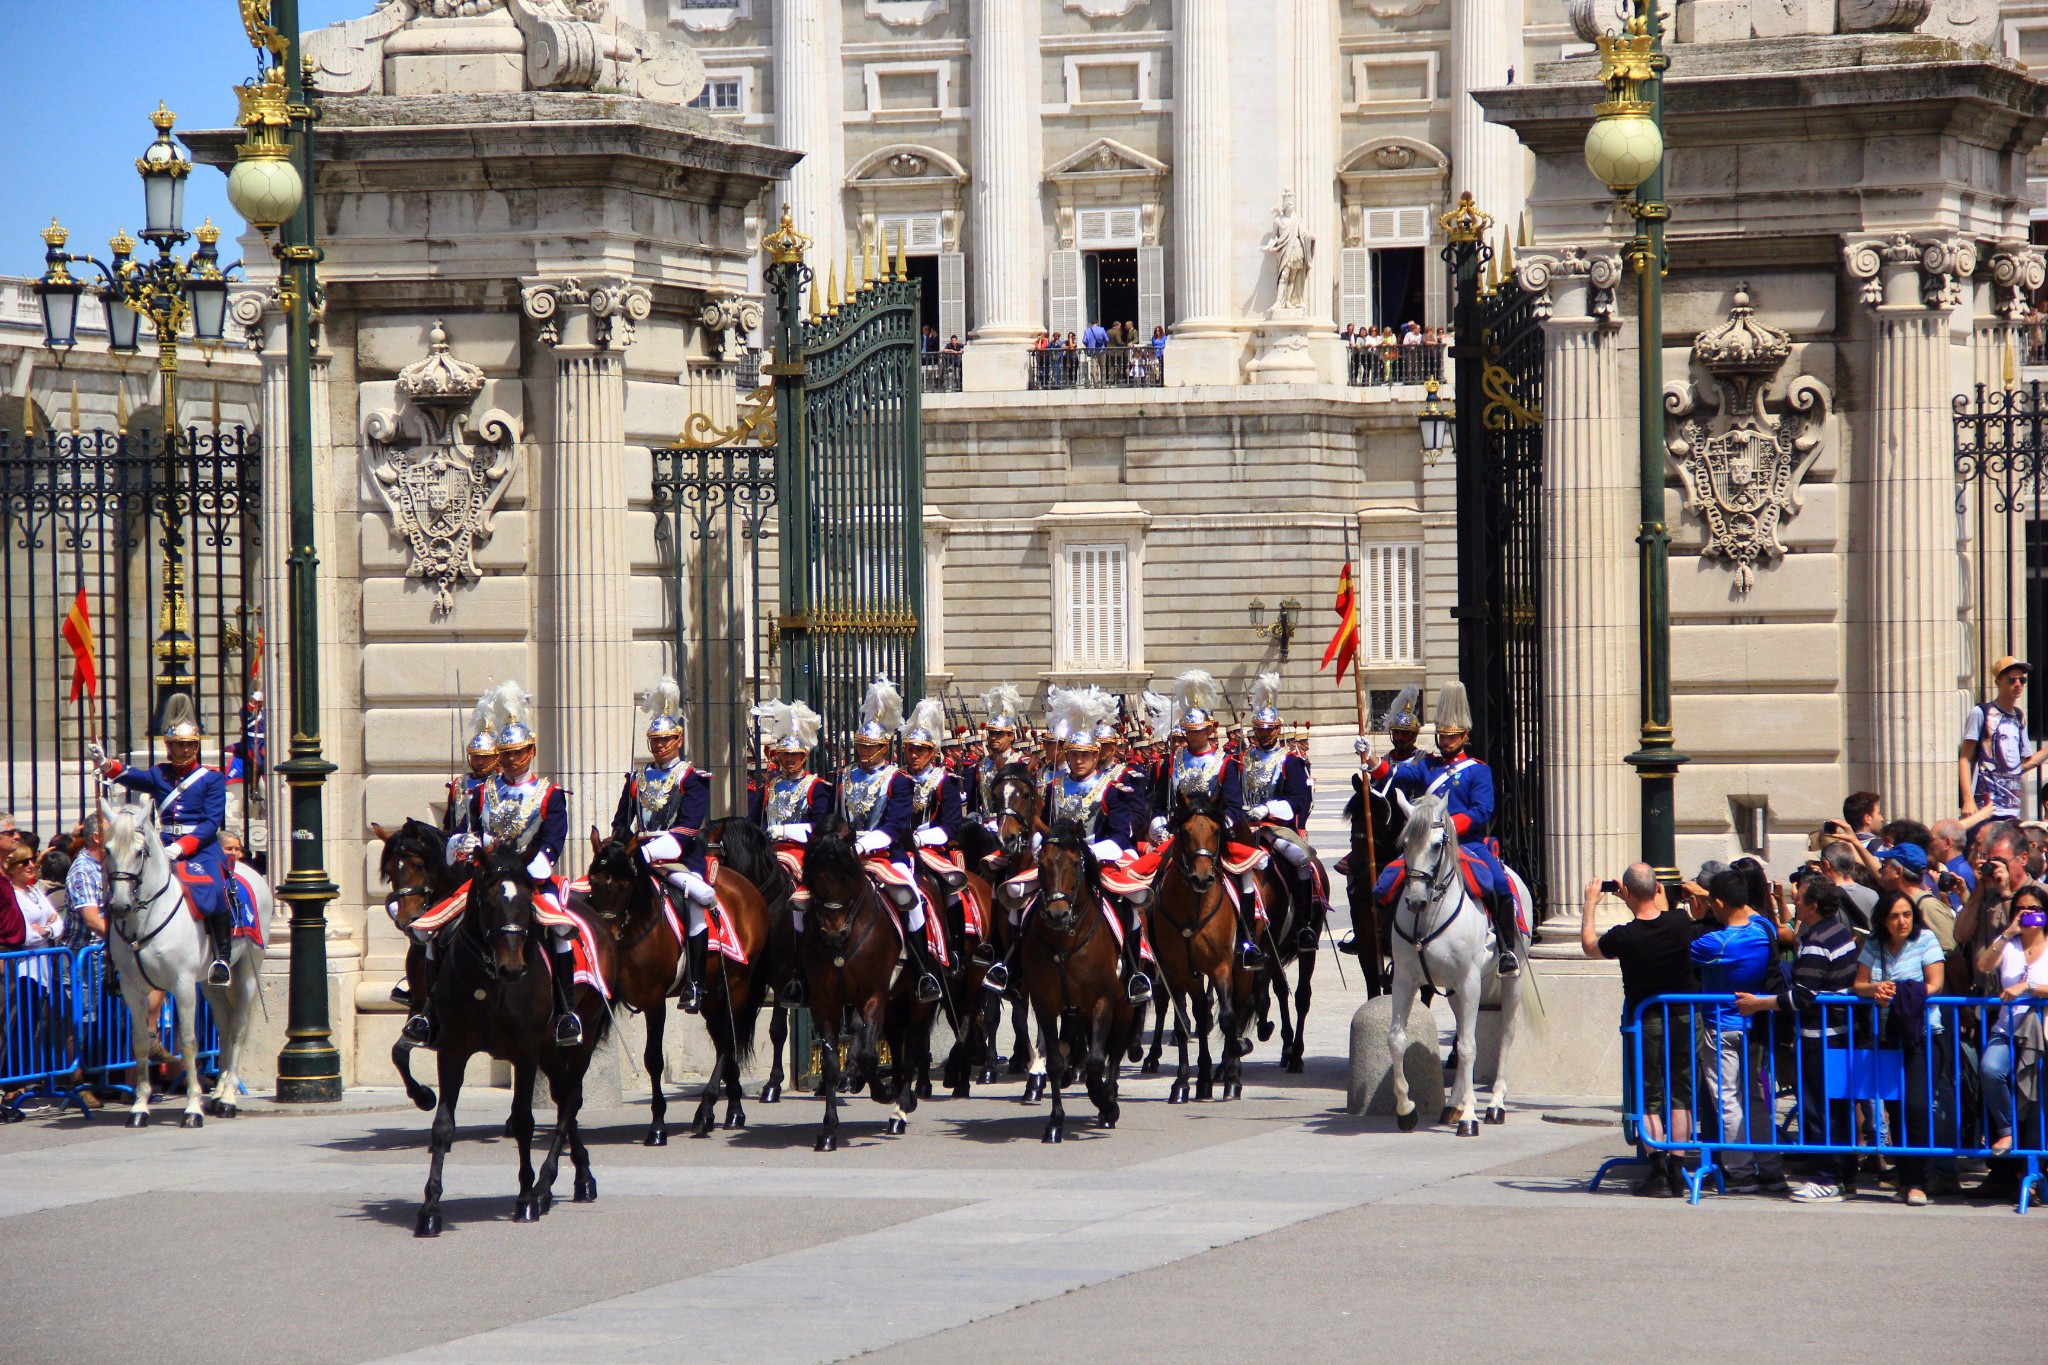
x=743, y=847
x=493, y=994
x=996, y=857
x=1375, y=838
x=415, y=866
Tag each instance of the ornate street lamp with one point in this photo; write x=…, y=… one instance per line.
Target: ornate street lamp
x=1281, y=632
x=1625, y=150
x=171, y=293
x=1437, y=423
x=270, y=186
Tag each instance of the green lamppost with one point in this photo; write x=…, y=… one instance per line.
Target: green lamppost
x=1625, y=149
x=271, y=186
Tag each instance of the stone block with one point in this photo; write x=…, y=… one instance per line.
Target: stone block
x=656, y=413
x=388, y=798
x=1797, y=585
x=499, y=605
x=409, y=736
x=387, y=343
x=1371, y=1089
x=1756, y=656
x=1567, y=1030
x=384, y=550
x=437, y=671
x=1757, y=724
x=1801, y=795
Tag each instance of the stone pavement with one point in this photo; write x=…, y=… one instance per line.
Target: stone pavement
x=1275, y=1228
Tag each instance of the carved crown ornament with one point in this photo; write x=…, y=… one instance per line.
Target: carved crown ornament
x=440, y=483
x=1741, y=471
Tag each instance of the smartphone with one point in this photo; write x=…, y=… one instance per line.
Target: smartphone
x=1611, y=887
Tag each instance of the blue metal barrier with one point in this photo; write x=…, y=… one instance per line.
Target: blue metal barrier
x=1866, y=1083
x=66, y=1027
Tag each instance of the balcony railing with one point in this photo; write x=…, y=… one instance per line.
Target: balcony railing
x=940, y=371
x=1377, y=366
x=1105, y=367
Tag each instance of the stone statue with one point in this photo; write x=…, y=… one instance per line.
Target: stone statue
x=1292, y=249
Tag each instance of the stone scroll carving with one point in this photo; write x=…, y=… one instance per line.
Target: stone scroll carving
x=1741, y=472
x=2017, y=273
x=1945, y=265
x=1540, y=274
x=611, y=308
x=440, y=483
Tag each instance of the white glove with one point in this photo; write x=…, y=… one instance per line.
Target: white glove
x=662, y=848
x=1157, y=829
x=1258, y=812
x=870, y=841
x=1106, y=850
x=1362, y=747
x=796, y=832
x=1279, y=810
x=96, y=756
x=931, y=836
x=540, y=869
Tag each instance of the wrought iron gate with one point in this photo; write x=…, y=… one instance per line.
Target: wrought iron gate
x=2001, y=443
x=162, y=534
x=1499, y=355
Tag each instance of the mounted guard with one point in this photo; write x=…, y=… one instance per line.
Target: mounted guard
x=1278, y=798
x=480, y=753
x=1005, y=708
x=665, y=804
x=1465, y=784
x=795, y=801
x=191, y=806
x=879, y=801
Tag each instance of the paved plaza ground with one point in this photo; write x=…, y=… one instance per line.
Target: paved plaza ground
x=1276, y=1228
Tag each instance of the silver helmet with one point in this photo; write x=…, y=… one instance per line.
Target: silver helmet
x=792, y=727
x=1196, y=696
x=514, y=705
x=927, y=724
x=1266, y=699
x=483, y=726
x=1406, y=712
x=1005, y=707
x=663, y=704
x=181, y=719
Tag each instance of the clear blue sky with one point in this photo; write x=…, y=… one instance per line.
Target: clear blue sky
x=78, y=80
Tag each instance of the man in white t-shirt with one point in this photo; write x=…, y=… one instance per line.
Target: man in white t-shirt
x=1996, y=752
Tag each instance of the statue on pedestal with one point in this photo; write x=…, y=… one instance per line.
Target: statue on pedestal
x=1293, y=249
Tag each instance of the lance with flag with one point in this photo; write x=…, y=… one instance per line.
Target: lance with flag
x=77, y=630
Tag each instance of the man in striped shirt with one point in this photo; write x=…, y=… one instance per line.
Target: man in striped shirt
x=1825, y=965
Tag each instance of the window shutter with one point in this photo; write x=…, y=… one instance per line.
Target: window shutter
x=1354, y=288
x=952, y=295
x=1098, y=595
x=1413, y=225
x=1063, y=281
x=1151, y=290
x=1390, y=604
x=918, y=232
x=1397, y=227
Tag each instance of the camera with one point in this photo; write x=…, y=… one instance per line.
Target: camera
x=1611, y=887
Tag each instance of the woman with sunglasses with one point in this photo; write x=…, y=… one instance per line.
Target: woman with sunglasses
x=2020, y=957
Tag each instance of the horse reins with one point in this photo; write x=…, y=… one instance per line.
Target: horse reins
x=1440, y=881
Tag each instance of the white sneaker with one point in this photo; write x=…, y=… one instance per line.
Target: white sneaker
x=1818, y=1192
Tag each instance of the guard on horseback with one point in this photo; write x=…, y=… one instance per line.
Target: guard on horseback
x=795, y=801
x=879, y=801
x=1005, y=706
x=666, y=803
x=191, y=806
x=1466, y=785
x=1278, y=798
x=1200, y=767
x=1403, y=722
x=517, y=807
x=480, y=751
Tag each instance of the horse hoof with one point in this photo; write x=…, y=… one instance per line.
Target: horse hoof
x=1468, y=1127
x=1496, y=1115
x=1406, y=1122
x=924, y=1089
x=827, y=1142
x=1233, y=1090
x=424, y=1100
x=193, y=1119
x=1034, y=1089
x=1150, y=1068
x=701, y=1128
x=1449, y=1115
x=227, y=1111
x=771, y=1093
x=1054, y=1133
x=525, y=1211
x=1265, y=1029
x=1293, y=1067
x=1178, y=1094
x=586, y=1189
x=138, y=1118
x=429, y=1225
x=897, y=1126
x=1245, y=1045
x=546, y=1201
x=1205, y=1092
x=656, y=1137
x=735, y=1121
x=987, y=1076
x=1107, y=1122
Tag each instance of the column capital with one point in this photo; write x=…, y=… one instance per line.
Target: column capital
x=595, y=316
x=1888, y=265
x=2016, y=270
x=1571, y=283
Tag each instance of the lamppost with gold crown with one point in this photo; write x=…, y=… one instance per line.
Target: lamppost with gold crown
x=170, y=293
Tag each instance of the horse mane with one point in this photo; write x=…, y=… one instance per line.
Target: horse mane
x=418, y=837
x=1193, y=804
x=1426, y=814
x=124, y=833
x=1015, y=768
x=831, y=854
x=744, y=847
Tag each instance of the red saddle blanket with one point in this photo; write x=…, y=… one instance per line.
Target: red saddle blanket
x=886, y=873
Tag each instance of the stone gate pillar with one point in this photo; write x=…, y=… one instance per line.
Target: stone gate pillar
x=1912, y=282
x=586, y=693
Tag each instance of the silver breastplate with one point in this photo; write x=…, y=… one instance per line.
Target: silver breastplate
x=925, y=797
x=659, y=794
x=861, y=792
x=1195, y=774
x=1262, y=771
x=512, y=815
x=789, y=802
x=1079, y=801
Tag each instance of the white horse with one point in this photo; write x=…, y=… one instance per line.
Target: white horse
x=1444, y=939
x=156, y=944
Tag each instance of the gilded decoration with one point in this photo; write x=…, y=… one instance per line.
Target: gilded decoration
x=440, y=483
x=1741, y=472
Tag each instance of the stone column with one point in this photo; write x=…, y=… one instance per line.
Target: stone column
x=585, y=692
x=1006, y=258
x=1912, y=283
x=1590, y=682
x=1300, y=345
x=1205, y=345
x=1991, y=533
x=1486, y=158
x=808, y=100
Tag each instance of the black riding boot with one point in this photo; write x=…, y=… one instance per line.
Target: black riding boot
x=1301, y=889
x=997, y=977
x=419, y=1026
x=1502, y=910
x=568, y=1027
x=1248, y=955
x=696, y=948
x=1137, y=984
x=220, y=927
x=928, y=989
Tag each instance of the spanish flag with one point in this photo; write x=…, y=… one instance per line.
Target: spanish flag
x=85, y=676
x=1343, y=646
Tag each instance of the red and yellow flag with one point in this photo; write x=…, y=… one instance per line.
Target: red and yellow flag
x=85, y=675
x=1343, y=646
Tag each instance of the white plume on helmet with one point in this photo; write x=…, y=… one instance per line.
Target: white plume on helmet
x=1158, y=715
x=1453, y=708
x=512, y=705
x=789, y=725
x=1266, y=699
x=1405, y=713
x=181, y=718
x=1066, y=712
x=927, y=723
x=483, y=726
x=1003, y=702
x=1195, y=690
x=663, y=704
x=881, y=710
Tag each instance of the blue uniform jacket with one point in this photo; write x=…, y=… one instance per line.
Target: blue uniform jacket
x=190, y=825
x=457, y=819
x=1126, y=809
x=817, y=808
x=554, y=823
x=1467, y=790
x=1229, y=793
x=949, y=807
x=1293, y=788
x=692, y=809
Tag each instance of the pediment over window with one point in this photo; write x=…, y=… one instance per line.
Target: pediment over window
x=905, y=162
x=1106, y=156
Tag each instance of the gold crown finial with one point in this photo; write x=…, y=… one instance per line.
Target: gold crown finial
x=902, y=255
x=207, y=234
x=163, y=118
x=785, y=245
x=121, y=243
x=56, y=234
x=1466, y=223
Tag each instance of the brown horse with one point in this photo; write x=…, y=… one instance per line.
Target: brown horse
x=1073, y=975
x=1290, y=940
x=996, y=858
x=849, y=949
x=1194, y=934
x=493, y=994
x=751, y=854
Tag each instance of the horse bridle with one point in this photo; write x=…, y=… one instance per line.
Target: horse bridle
x=483, y=936
x=1009, y=786
x=842, y=942
x=1184, y=855
x=1440, y=878
x=115, y=918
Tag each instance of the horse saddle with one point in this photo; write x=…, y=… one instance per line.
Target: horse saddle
x=950, y=877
